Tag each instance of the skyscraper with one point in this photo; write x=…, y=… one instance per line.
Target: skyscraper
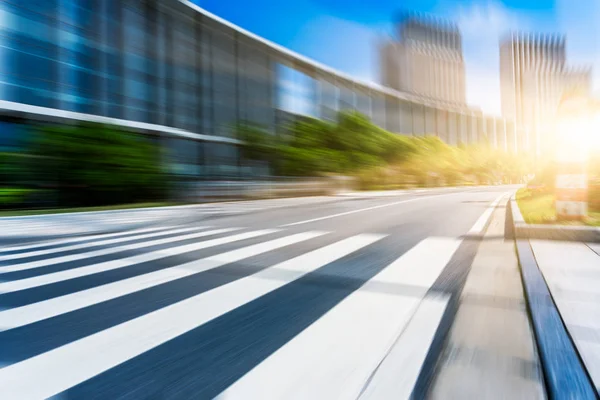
x=533, y=77
x=425, y=59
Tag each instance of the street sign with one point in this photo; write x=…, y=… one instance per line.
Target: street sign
x=571, y=192
x=574, y=114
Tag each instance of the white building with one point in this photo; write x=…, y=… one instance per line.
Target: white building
x=533, y=77
x=426, y=60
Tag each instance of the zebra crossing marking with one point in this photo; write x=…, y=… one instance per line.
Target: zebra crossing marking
x=40, y=280
x=103, y=252
x=97, y=243
x=350, y=340
x=77, y=239
x=78, y=361
x=20, y=316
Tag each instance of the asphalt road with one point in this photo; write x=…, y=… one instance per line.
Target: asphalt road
x=302, y=301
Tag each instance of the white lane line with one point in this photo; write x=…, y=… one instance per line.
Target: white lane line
x=64, y=367
x=370, y=208
x=335, y=356
x=483, y=219
x=46, y=262
x=79, y=239
x=13, y=257
x=398, y=372
x=35, y=312
x=28, y=283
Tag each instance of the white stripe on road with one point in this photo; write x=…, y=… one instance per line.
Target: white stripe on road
x=35, y=312
x=79, y=239
x=69, y=365
x=12, y=257
x=335, y=356
x=28, y=283
x=369, y=208
x=103, y=252
x=397, y=374
x=483, y=219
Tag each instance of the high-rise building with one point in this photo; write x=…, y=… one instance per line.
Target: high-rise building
x=425, y=59
x=533, y=78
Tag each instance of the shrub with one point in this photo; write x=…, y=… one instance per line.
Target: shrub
x=94, y=164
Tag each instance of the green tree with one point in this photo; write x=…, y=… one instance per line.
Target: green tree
x=92, y=164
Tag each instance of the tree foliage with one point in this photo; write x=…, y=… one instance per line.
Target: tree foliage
x=92, y=164
x=354, y=145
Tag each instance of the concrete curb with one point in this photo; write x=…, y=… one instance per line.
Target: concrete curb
x=523, y=230
x=563, y=370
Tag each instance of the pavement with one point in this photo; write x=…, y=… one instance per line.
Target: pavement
x=491, y=352
x=355, y=297
x=572, y=273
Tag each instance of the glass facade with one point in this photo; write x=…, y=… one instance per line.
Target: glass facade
x=363, y=103
x=138, y=60
x=328, y=100
x=346, y=99
x=30, y=52
x=297, y=93
x=418, y=120
x=392, y=115
x=378, y=108
x=13, y=136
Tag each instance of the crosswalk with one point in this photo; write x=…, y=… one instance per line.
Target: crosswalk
x=227, y=312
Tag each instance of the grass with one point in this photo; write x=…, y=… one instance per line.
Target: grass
x=15, y=213
x=593, y=218
x=538, y=208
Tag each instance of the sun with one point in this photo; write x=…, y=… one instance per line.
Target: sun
x=577, y=130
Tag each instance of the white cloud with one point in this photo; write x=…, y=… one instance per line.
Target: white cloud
x=482, y=26
x=489, y=20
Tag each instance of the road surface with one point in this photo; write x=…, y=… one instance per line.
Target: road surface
x=297, y=302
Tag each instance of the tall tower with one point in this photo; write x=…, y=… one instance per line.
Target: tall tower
x=425, y=59
x=533, y=77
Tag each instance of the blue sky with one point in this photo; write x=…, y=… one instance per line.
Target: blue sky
x=344, y=33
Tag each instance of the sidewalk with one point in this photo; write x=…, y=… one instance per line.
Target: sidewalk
x=490, y=353
x=572, y=273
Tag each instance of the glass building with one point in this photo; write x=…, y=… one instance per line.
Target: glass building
x=168, y=69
